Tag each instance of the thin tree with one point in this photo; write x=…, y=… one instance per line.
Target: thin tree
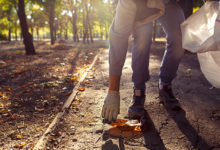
x=187, y=6
x=51, y=21
x=27, y=37
x=85, y=21
x=73, y=6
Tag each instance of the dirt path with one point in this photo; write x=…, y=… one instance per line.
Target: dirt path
x=195, y=127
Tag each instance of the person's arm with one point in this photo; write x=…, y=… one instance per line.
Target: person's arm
x=120, y=30
x=114, y=83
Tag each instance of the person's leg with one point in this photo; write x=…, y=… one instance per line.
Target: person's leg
x=140, y=63
x=140, y=55
x=171, y=21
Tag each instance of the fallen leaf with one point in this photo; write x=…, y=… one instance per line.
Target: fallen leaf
x=23, y=143
x=8, y=92
x=19, y=137
x=68, y=93
x=1, y=94
x=181, y=136
x=76, y=108
x=87, y=82
x=4, y=97
x=73, y=78
x=74, y=104
x=26, y=91
x=38, y=109
x=27, y=84
x=81, y=89
x=50, y=83
x=54, y=99
x=78, y=100
x=18, y=71
x=14, y=116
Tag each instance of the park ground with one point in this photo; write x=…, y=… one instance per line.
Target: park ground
x=33, y=90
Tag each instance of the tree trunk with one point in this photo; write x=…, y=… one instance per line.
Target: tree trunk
x=32, y=31
x=90, y=33
x=37, y=30
x=51, y=21
x=85, y=23
x=55, y=34
x=187, y=6
x=101, y=32
x=106, y=31
x=90, y=27
x=9, y=34
x=66, y=34
x=28, y=39
x=9, y=28
x=155, y=30
x=74, y=26
x=16, y=32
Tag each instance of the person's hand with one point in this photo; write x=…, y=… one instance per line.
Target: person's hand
x=111, y=107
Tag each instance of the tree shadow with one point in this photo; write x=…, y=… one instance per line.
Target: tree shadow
x=188, y=130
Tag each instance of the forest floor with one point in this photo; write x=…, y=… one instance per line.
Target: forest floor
x=34, y=88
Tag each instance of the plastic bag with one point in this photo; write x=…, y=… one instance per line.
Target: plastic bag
x=210, y=66
x=201, y=31
x=201, y=34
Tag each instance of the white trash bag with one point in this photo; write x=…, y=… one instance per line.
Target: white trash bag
x=201, y=31
x=201, y=35
x=210, y=66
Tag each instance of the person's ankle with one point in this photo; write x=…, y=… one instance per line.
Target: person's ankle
x=162, y=84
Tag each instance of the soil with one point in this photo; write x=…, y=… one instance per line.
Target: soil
x=195, y=127
x=33, y=88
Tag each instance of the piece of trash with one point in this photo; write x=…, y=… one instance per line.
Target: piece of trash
x=62, y=64
x=65, y=88
x=133, y=123
x=121, y=128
